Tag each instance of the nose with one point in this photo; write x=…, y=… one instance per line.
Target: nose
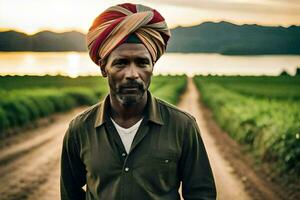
x=132, y=72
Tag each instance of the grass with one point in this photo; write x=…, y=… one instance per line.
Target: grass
x=264, y=116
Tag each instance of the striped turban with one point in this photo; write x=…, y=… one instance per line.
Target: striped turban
x=112, y=27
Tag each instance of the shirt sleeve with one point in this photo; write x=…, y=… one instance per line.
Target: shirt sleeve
x=195, y=171
x=73, y=173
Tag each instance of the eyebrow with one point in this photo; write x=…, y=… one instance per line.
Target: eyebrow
x=143, y=59
x=118, y=60
x=139, y=58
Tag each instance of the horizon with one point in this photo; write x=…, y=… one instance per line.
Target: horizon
x=178, y=26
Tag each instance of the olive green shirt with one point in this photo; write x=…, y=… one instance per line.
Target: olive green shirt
x=166, y=150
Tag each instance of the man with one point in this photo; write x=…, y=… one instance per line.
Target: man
x=132, y=145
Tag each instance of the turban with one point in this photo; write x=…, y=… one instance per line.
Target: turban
x=112, y=27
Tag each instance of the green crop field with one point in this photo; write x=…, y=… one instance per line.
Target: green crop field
x=281, y=87
x=261, y=112
x=168, y=88
x=27, y=98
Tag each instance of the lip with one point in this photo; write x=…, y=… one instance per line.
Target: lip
x=130, y=90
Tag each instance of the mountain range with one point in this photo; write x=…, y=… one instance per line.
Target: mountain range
x=208, y=37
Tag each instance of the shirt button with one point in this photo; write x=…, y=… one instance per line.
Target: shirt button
x=126, y=169
x=123, y=154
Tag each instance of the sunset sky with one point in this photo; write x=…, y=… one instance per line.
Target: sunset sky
x=31, y=16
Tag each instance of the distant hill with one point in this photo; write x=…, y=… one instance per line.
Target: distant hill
x=228, y=38
x=42, y=41
x=208, y=37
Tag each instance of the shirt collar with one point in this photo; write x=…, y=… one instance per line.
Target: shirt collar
x=152, y=110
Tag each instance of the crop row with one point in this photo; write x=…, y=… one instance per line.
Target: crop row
x=23, y=106
x=269, y=127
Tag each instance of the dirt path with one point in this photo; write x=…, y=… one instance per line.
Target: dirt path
x=228, y=185
x=30, y=169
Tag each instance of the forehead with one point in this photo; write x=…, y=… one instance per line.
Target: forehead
x=130, y=50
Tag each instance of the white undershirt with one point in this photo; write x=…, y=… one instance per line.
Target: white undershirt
x=127, y=134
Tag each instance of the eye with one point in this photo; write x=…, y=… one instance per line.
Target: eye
x=120, y=63
x=143, y=62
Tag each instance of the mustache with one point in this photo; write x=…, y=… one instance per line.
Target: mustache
x=131, y=84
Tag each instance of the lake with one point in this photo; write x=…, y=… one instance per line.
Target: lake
x=74, y=64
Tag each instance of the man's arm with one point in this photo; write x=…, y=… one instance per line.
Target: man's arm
x=196, y=175
x=73, y=173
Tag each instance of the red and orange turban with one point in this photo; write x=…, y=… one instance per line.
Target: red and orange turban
x=112, y=27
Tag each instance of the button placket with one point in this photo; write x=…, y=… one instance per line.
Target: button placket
x=125, y=164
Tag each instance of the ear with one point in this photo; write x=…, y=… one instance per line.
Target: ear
x=102, y=64
x=153, y=63
x=103, y=71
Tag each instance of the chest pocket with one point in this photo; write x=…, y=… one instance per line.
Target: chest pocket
x=164, y=158
x=160, y=171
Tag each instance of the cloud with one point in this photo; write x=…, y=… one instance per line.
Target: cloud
x=287, y=1
x=281, y=7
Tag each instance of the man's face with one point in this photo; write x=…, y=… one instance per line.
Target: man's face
x=129, y=69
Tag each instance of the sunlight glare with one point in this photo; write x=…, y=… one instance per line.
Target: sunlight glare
x=73, y=64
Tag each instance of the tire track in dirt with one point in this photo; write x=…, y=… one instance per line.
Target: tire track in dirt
x=31, y=174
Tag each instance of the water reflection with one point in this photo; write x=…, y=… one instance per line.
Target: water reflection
x=74, y=64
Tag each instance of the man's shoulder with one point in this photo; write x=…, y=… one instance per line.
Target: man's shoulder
x=173, y=113
x=86, y=117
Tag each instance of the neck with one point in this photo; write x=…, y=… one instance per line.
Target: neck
x=127, y=113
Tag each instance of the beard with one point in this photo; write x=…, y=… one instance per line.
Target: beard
x=130, y=93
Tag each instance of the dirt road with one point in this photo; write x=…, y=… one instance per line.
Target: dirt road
x=30, y=169
x=228, y=185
